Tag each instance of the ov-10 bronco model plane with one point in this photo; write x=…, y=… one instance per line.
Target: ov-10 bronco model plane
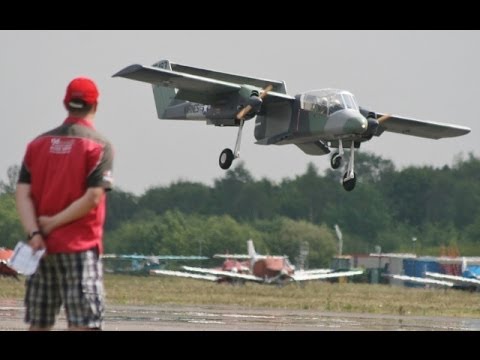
x=315, y=121
x=264, y=269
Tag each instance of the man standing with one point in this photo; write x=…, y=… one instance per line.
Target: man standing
x=61, y=203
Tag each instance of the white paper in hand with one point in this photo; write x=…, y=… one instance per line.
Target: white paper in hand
x=24, y=260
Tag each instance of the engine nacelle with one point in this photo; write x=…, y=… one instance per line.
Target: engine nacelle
x=247, y=91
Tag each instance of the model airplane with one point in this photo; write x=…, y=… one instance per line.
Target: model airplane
x=470, y=274
x=5, y=268
x=134, y=262
x=315, y=121
x=422, y=280
x=469, y=278
x=258, y=268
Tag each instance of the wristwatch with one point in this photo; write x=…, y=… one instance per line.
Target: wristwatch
x=33, y=233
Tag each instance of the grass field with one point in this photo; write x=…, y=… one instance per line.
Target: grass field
x=322, y=296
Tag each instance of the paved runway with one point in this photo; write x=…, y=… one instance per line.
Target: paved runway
x=230, y=318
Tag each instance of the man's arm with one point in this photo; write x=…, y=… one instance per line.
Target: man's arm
x=76, y=210
x=27, y=214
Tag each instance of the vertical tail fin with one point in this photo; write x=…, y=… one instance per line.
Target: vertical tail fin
x=251, y=249
x=251, y=254
x=464, y=264
x=163, y=95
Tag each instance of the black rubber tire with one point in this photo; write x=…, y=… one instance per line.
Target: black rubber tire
x=226, y=158
x=335, y=161
x=349, y=185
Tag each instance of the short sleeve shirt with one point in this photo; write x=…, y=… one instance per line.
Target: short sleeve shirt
x=59, y=166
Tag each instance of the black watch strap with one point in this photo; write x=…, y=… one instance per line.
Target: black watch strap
x=33, y=233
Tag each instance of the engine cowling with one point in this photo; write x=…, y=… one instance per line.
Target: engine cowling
x=250, y=96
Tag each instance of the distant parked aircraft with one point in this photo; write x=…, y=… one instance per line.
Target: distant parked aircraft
x=5, y=269
x=264, y=269
x=134, y=262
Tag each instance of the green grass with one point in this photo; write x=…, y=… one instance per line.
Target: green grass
x=321, y=296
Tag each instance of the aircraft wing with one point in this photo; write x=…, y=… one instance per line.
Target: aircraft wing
x=457, y=280
x=277, y=86
x=313, y=271
x=320, y=276
x=185, y=275
x=195, y=88
x=232, y=256
x=426, y=129
x=221, y=273
x=153, y=257
x=420, y=280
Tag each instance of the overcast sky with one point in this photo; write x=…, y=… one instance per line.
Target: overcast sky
x=431, y=75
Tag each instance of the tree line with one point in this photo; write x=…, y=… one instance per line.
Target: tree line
x=439, y=207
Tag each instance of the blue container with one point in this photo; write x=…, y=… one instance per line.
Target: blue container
x=418, y=267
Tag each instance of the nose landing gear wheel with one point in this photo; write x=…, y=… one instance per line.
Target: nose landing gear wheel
x=225, y=159
x=336, y=160
x=349, y=184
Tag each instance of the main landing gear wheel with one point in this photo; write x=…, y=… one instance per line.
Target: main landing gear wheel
x=226, y=158
x=336, y=160
x=349, y=184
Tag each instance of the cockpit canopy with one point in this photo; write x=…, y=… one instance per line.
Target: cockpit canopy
x=327, y=101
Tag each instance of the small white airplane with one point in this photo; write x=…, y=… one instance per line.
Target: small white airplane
x=470, y=278
x=263, y=269
x=134, y=262
x=457, y=281
x=424, y=281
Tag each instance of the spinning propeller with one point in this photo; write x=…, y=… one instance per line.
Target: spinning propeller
x=241, y=114
x=383, y=118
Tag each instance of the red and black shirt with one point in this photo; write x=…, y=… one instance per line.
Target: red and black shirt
x=59, y=166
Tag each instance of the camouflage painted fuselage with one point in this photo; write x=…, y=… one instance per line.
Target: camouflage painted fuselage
x=288, y=123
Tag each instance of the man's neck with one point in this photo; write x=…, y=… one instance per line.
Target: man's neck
x=89, y=116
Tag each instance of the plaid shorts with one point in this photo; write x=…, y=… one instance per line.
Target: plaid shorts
x=73, y=280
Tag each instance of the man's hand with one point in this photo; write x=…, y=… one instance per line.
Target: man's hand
x=46, y=224
x=36, y=242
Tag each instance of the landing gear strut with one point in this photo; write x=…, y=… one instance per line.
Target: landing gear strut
x=227, y=156
x=336, y=159
x=350, y=178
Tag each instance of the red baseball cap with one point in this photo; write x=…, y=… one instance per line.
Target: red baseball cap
x=81, y=88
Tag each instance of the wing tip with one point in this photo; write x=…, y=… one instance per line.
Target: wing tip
x=128, y=70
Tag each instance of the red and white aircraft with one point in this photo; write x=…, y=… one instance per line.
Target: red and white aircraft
x=5, y=269
x=258, y=268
